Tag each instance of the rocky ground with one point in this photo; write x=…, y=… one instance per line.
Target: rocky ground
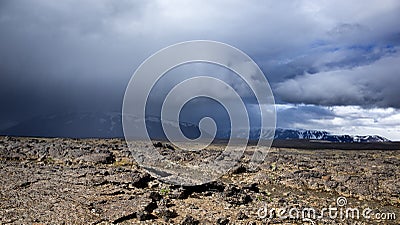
x=96, y=181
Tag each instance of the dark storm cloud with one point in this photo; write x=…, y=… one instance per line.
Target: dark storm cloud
x=62, y=56
x=79, y=55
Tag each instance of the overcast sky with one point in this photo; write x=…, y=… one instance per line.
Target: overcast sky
x=332, y=65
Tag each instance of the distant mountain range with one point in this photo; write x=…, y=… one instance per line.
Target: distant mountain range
x=284, y=134
x=299, y=134
x=109, y=125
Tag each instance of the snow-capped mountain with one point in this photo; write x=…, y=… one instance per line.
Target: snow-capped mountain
x=109, y=125
x=296, y=134
x=299, y=134
x=284, y=134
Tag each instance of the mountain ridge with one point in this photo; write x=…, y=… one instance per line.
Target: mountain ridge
x=109, y=125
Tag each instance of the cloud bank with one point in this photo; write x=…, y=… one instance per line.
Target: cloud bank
x=372, y=85
x=72, y=55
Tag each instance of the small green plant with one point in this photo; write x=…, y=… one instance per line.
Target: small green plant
x=274, y=167
x=164, y=191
